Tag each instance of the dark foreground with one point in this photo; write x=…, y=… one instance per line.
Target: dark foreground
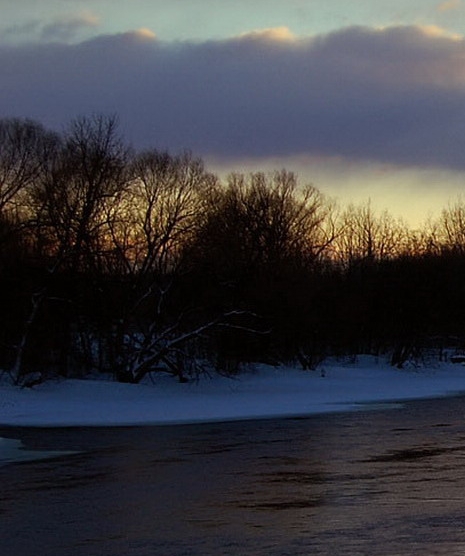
x=384, y=482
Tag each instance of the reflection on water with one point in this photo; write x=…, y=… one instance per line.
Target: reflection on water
x=370, y=483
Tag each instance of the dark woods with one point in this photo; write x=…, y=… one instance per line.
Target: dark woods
x=128, y=263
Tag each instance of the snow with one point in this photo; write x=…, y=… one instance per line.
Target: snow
x=261, y=392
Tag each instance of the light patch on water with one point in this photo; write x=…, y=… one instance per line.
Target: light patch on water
x=379, y=405
x=12, y=450
x=366, y=406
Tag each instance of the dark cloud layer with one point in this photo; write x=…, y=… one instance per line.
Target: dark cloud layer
x=394, y=95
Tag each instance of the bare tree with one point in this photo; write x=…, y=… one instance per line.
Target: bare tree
x=157, y=214
x=264, y=220
x=368, y=236
x=151, y=226
x=67, y=201
x=73, y=198
x=25, y=147
x=261, y=238
x=451, y=226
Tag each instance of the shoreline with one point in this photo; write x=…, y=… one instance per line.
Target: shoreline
x=264, y=393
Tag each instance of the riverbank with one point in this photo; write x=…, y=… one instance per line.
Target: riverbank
x=260, y=392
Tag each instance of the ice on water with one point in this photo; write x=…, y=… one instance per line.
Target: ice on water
x=12, y=450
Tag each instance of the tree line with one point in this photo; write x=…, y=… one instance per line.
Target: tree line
x=125, y=262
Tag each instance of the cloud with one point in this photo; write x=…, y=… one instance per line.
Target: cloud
x=449, y=5
x=392, y=95
x=67, y=27
x=274, y=34
x=27, y=28
x=144, y=33
x=63, y=29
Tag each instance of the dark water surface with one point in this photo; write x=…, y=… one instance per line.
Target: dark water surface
x=383, y=482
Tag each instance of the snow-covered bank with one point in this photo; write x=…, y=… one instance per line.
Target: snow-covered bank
x=262, y=393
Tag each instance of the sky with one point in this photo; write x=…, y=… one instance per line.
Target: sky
x=364, y=99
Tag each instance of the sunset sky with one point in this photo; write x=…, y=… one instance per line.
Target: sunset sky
x=362, y=98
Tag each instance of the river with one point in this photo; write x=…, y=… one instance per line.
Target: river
x=380, y=481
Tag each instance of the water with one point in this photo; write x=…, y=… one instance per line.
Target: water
x=382, y=482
